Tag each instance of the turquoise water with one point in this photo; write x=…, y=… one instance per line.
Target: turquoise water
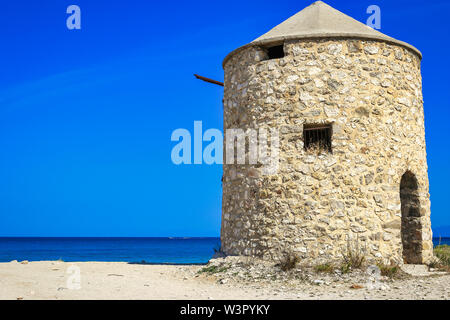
x=148, y=250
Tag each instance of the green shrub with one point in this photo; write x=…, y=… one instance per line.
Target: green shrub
x=345, y=267
x=213, y=269
x=326, y=267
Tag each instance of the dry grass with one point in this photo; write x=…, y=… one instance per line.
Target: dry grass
x=217, y=248
x=353, y=256
x=442, y=254
x=390, y=271
x=289, y=261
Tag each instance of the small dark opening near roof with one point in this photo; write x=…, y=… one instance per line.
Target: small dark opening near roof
x=317, y=137
x=275, y=52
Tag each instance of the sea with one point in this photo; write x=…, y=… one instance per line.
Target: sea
x=132, y=250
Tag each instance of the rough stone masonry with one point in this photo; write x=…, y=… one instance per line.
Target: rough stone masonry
x=371, y=189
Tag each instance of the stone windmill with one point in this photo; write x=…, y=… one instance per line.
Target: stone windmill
x=347, y=102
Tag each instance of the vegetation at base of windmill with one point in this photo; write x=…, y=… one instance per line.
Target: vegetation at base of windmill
x=213, y=269
x=392, y=271
x=345, y=268
x=442, y=260
x=218, y=248
x=353, y=257
x=289, y=261
x=325, y=268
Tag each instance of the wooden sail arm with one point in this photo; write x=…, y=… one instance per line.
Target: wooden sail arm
x=209, y=80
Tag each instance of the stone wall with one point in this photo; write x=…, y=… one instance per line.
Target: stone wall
x=319, y=202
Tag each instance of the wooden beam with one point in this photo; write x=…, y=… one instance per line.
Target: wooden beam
x=209, y=80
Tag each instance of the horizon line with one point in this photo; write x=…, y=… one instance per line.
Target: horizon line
x=136, y=237
x=130, y=237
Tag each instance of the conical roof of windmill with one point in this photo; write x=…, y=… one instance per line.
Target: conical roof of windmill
x=319, y=20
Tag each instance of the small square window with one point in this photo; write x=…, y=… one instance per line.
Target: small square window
x=317, y=137
x=275, y=52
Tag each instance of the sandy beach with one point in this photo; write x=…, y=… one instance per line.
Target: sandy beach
x=119, y=280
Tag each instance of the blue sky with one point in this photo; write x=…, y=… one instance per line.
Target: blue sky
x=86, y=115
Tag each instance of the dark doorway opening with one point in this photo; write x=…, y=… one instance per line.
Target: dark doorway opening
x=411, y=224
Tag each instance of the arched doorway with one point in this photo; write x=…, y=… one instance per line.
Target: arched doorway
x=411, y=225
